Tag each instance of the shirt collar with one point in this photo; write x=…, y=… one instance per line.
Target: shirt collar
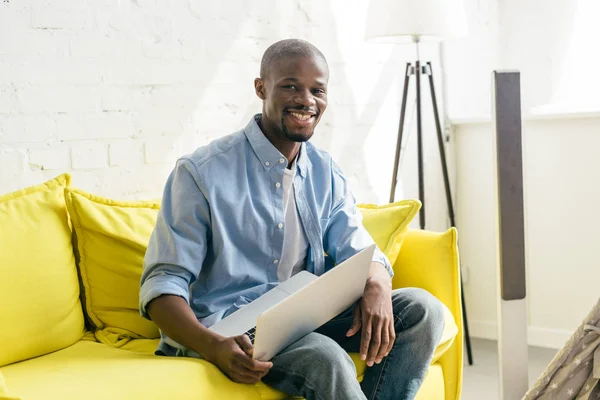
x=268, y=154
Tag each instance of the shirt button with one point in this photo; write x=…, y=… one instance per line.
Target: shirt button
x=280, y=225
x=267, y=163
x=281, y=160
x=275, y=261
x=278, y=184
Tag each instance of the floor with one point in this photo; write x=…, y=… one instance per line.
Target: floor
x=481, y=379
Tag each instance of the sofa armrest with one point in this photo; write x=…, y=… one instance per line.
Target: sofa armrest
x=429, y=260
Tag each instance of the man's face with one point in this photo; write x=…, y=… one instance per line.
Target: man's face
x=294, y=96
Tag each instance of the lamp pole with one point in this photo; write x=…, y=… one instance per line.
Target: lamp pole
x=417, y=70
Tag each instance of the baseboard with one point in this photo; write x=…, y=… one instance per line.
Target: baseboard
x=536, y=336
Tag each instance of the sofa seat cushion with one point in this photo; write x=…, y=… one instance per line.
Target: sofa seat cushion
x=94, y=371
x=4, y=394
x=40, y=310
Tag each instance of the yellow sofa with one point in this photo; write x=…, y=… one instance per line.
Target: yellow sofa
x=70, y=264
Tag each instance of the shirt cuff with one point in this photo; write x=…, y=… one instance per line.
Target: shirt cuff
x=380, y=258
x=160, y=285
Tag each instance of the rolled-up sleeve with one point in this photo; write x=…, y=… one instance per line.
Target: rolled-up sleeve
x=178, y=244
x=345, y=234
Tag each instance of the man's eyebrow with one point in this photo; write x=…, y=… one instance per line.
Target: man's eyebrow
x=319, y=82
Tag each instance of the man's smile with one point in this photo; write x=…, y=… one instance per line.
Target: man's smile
x=301, y=118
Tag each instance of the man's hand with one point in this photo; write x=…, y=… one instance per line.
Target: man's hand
x=374, y=314
x=233, y=356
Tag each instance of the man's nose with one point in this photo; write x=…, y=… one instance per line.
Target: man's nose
x=305, y=98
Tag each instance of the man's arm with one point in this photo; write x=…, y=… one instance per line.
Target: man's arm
x=173, y=261
x=179, y=242
x=344, y=237
x=177, y=320
x=233, y=355
x=345, y=234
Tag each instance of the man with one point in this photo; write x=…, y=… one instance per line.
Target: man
x=253, y=208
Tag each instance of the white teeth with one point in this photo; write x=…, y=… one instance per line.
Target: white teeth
x=301, y=116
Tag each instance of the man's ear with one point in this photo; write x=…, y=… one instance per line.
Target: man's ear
x=259, y=87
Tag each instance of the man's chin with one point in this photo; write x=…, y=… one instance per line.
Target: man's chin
x=299, y=136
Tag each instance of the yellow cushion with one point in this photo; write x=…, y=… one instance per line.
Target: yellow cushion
x=4, y=390
x=388, y=224
x=112, y=237
x=94, y=371
x=434, y=386
x=39, y=288
x=450, y=332
x=429, y=260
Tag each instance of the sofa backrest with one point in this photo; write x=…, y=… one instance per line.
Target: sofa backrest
x=40, y=311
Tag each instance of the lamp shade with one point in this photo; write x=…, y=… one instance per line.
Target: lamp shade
x=390, y=20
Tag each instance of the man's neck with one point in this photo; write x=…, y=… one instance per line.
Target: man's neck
x=288, y=148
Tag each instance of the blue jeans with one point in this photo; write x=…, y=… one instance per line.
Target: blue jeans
x=318, y=365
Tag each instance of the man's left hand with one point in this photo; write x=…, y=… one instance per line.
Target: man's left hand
x=374, y=314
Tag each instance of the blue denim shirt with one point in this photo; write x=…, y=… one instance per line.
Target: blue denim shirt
x=217, y=241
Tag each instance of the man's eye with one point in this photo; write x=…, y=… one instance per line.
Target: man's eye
x=318, y=91
x=292, y=87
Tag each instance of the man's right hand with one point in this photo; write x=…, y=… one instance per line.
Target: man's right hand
x=233, y=356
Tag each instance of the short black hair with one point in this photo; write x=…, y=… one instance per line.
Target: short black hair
x=287, y=48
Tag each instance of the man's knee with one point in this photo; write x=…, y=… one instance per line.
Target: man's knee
x=316, y=364
x=415, y=306
x=316, y=349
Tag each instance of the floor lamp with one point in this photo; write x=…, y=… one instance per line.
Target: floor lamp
x=395, y=21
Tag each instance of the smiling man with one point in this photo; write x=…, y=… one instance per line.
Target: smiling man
x=252, y=209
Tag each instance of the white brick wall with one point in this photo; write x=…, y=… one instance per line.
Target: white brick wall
x=125, y=153
x=103, y=125
x=26, y=128
x=12, y=165
x=115, y=91
x=49, y=159
x=89, y=155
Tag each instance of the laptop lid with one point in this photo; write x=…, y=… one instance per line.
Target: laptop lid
x=312, y=306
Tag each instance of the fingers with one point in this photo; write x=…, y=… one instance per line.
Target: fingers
x=247, y=370
x=385, y=342
x=375, y=342
x=355, y=327
x=245, y=344
x=244, y=376
x=392, y=333
x=244, y=358
x=237, y=364
x=247, y=362
x=260, y=366
x=365, y=339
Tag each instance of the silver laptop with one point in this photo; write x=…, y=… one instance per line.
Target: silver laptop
x=298, y=306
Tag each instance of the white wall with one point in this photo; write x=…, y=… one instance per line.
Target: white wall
x=562, y=195
x=114, y=91
x=553, y=45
